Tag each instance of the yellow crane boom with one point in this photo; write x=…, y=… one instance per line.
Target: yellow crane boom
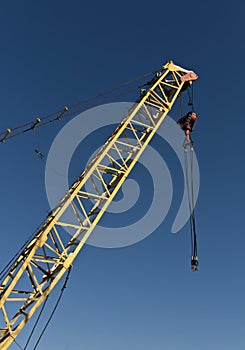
x=51, y=251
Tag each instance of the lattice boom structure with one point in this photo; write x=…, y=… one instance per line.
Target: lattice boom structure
x=51, y=251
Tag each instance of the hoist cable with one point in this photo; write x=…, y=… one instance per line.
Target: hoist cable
x=193, y=201
x=112, y=89
x=89, y=106
x=190, y=193
x=16, y=343
x=180, y=105
x=39, y=316
x=70, y=114
x=36, y=323
x=5, y=271
x=59, y=113
x=54, y=309
x=80, y=102
x=192, y=97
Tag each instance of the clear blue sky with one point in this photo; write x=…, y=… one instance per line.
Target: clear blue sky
x=144, y=296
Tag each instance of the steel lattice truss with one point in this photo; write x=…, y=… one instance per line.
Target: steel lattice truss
x=51, y=251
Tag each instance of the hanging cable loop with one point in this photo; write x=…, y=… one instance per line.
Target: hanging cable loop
x=188, y=146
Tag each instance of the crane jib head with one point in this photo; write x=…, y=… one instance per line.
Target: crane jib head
x=189, y=76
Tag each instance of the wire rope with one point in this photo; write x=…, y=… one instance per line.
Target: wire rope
x=59, y=114
x=54, y=309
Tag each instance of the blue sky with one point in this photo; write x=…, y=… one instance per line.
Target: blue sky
x=55, y=53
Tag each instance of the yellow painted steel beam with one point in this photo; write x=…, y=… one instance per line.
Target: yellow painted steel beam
x=51, y=251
